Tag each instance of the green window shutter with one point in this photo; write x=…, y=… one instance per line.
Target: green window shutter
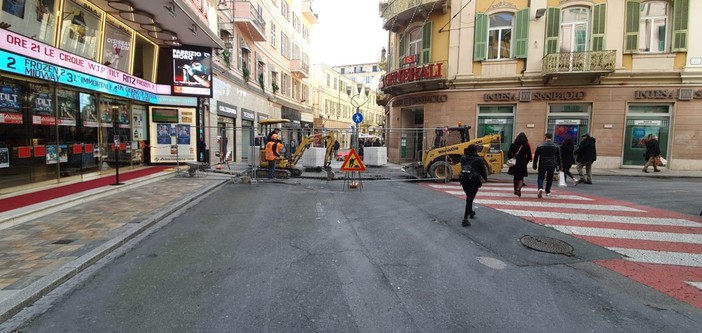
x=631, y=29
x=480, y=44
x=521, y=42
x=553, y=29
x=599, y=18
x=426, y=43
x=680, y=17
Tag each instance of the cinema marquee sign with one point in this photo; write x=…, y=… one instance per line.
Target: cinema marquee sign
x=413, y=74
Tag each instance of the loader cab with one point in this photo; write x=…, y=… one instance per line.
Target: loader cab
x=446, y=136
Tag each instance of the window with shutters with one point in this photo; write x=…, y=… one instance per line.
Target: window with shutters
x=574, y=29
x=414, y=41
x=653, y=23
x=500, y=36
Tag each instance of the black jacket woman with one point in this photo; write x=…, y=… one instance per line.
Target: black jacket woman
x=521, y=151
x=470, y=157
x=567, y=156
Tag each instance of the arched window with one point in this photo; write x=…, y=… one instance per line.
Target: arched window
x=574, y=29
x=500, y=36
x=653, y=26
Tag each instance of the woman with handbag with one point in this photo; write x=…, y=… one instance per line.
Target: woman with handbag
x=520, y=152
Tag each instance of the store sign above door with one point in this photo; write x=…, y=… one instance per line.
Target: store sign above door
x=412, y=74
x=682, y=94
x=22, y=45
x=528, y=96
x=21, y=65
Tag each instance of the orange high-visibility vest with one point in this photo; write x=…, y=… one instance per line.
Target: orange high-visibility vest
x=270, y=154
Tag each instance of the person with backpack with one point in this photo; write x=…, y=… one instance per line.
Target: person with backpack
x=473, y=172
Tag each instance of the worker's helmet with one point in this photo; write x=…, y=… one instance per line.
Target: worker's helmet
x=274, y=136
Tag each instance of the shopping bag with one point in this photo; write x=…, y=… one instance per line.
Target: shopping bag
x=661, y=161
x=562, y=179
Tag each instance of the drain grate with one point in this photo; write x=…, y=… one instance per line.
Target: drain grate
x=63, y=241
x=547, y=244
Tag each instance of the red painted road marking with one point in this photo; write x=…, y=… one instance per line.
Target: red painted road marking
x=658, y=241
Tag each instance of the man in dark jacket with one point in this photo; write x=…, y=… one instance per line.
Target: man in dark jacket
x=546, y=158
x=587, y=154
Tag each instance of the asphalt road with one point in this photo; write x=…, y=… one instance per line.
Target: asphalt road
x=305, y=256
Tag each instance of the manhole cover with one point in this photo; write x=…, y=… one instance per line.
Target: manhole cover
x=547, y=244
x=63, y=241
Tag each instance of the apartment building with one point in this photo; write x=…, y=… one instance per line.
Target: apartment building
x=262, y=72
x=335, y=99
x=619, y=70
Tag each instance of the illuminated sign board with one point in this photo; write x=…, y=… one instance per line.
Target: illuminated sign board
x=192, y=72
x=22, y=45
x=412, y=74
x=22, y=65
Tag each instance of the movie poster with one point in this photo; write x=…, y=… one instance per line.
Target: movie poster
x=41, y=104
x=163, y=133
x=14, y=7
x=118, y=45
x=138, y=123
x=88, y=110
x=183, y=134
x=10, y=111
x=192, y=72
x=4, y=158
x=106, y=113
x=66, y=107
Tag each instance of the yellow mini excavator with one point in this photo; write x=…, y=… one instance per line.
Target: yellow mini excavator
x=287, y=167
x=443, y=160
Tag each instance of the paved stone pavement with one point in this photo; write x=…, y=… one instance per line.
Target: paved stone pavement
x=44, y=245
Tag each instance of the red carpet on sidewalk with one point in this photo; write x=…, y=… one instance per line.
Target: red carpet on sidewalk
x=23, y=200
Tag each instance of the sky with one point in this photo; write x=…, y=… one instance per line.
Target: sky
x=347, y=32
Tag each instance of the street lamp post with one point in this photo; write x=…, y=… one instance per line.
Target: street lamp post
x=357, y=104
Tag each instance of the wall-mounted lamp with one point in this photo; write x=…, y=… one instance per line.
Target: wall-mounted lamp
x=540, y=13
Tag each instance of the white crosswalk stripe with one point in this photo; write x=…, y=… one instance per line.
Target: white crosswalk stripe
x=661, y=257
x=630, y=234
x=604, y=218
x=553, y=204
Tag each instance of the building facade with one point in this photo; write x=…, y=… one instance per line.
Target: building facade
x=336, y=98
x=619, y=70
x=261, y=73
x=87, y=86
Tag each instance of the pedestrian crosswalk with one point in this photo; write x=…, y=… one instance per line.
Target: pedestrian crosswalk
x=659, y=248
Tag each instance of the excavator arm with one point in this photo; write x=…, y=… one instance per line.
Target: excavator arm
x=307, y=141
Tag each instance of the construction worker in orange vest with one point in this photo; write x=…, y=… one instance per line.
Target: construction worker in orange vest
x=272, y=154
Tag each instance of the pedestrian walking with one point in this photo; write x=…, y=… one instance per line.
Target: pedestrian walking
x=521, y=152
x=473, y=174
x=653, y=153
x=546, y=159
x=272, y=154
x=587, y=154
x=567, y=157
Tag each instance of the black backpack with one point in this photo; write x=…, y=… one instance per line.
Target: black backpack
x=468, y=175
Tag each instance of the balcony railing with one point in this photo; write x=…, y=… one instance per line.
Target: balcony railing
x=249, y=20
x=299, y=67
x=391, y=8
x=579, y=62
x=308, y=11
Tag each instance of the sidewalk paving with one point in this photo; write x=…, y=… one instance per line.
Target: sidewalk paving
x=44, y=245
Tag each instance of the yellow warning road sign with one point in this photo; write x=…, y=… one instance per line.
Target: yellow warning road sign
x=352, y=163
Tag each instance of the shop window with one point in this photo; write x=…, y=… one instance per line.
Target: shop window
x=144, y=59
